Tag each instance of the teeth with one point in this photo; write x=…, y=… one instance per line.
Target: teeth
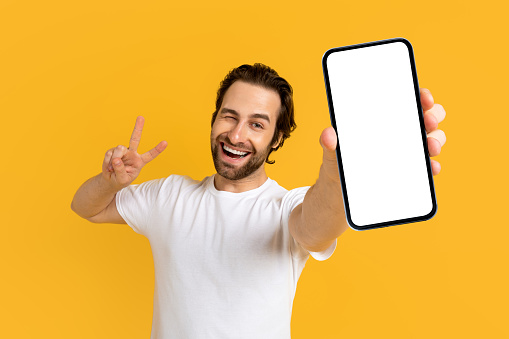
x=233, y=151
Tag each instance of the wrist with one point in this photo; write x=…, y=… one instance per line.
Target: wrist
x=106, y=185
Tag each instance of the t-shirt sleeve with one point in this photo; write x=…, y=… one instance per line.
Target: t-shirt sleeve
x=291, y=200
x=135, y=203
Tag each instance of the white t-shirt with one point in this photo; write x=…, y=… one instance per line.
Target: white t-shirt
x=226, y=265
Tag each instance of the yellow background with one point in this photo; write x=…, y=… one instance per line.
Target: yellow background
x=74, y=76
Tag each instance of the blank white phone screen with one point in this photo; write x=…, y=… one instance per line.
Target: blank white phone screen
x=379, y=134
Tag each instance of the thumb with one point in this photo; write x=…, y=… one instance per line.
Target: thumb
x=329, y=141
x=120, y=172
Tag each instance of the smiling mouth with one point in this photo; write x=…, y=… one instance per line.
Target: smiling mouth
x=234, y=154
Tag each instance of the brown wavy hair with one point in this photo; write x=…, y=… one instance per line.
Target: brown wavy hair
x=266, y=77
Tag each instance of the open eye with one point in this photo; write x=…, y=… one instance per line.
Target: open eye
x=257, y=125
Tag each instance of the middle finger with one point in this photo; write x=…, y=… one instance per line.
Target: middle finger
x=433, y=117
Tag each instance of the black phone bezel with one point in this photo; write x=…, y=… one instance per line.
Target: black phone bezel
x=433, y=211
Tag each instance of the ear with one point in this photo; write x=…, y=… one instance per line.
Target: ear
x=276, y=144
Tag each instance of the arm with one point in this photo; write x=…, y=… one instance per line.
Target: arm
x=321, y=217
x=323, y=204
x=95, y=199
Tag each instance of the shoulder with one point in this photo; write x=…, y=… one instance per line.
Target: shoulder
x=275, y=189
x=182, y=180
x=177, y=183
x=170, y=183
x=287, y=198
x=294, y=197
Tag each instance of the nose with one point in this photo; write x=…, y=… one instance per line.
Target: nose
x=238, y=134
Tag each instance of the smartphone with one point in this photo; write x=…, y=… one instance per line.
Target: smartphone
x=382, y=151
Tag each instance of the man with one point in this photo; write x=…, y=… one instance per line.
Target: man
x=228, y=250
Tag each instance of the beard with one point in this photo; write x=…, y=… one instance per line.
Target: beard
x=233, y=172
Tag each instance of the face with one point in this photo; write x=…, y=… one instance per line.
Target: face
x=241, y=135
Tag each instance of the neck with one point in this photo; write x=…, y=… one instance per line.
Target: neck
x=251, y=182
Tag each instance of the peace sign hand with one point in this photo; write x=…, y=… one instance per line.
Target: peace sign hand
x=122, y=165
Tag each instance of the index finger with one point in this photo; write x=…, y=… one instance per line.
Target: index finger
x=426, y=99
x=136, y=136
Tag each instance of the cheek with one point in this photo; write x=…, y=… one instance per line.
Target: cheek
x=261, y=143
x=220, y=127
x=215, y=131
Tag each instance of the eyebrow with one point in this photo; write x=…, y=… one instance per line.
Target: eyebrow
x=254, y=115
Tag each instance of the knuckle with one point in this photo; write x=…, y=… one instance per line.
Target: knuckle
x=442, y=135
x=431, y=114
x=440, y=108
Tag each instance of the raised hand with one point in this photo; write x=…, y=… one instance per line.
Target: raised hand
x=121, y=165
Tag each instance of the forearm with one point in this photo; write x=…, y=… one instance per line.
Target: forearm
x=321, y=218
x=92, y=197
